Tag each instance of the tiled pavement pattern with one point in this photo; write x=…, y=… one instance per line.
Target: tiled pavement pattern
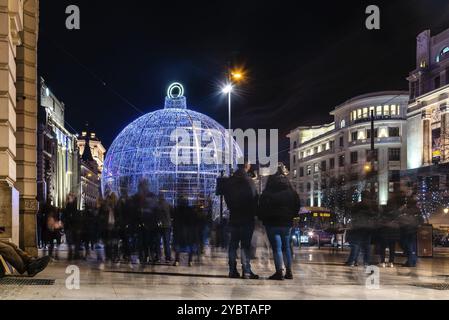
x=319, y=274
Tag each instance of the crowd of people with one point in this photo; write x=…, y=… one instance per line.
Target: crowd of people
x=146, y=225
x=128, y=225
x=384, y=227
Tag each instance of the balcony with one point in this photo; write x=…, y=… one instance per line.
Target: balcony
x=378, y=118
x=376, y=141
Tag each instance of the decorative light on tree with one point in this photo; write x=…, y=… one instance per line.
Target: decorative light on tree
x=144, y=150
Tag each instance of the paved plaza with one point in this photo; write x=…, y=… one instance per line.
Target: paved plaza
x=320, y=274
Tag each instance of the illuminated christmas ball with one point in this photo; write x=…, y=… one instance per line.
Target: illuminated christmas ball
x=179, y=152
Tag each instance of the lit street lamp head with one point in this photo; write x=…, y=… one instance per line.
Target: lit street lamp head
x=227, y=89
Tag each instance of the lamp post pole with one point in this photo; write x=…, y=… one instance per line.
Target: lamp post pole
x=229, y=132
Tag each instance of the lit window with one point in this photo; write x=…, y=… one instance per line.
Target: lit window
x=379, y=110
x=393, y=110
x=359, y=113
x=386, y=110
x=342, y=124
x=365, y=112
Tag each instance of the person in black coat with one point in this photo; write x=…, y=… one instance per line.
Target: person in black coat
x=279, y=205
x=409, y=221
x=388, y=231
x=363, y=216
x=241, y=198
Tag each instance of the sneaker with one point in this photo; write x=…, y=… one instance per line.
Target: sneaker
x=288, y=275
x=276, y=276
x=382, y=265
x=234, y=275
x=38, y=266
x=250, y=276
x=350, y=264
x=176, y=264
x=190, y=264
x=391, y=265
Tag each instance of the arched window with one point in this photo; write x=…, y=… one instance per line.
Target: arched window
x=342, y=124
x=442, y=53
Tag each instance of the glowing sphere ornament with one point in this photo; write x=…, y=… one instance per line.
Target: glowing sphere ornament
x=172, y=149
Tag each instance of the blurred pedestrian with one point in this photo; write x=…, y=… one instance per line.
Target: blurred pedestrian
x=71, y=220
x=409, y=221
x=164, y=226
x=388, y=231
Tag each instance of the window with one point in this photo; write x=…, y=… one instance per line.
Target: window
x=315, y=150
x=365, y=113
x=393, y=132
x=316, y=168
x=354, y=157
x=295, y=145
x=331, y=145
x=323, y=166
x=295, y=173
x=442, y=54
x=309, y=187
x=375, y=155
x=342, y=143
x=309, y=170
x=436, y=82
x=332, y=163
x=395, y=176
x=378, y=110
x=354, y=136
x=294, y=159
x=301, y=172
x=368, y=133
x=301, y=187
x=386, y=110
x=301, y=155
x=323, y=147
x=323, y=184
x=342, y=124
x=394, y=154
x=359, y=113
x=341, y=161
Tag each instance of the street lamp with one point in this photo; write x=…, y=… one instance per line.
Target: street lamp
x=234, y=76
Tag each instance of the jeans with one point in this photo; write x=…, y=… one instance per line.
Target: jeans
x=391, y=245
x=14, y=256
x=165, y=234
x=280, y=238
x=358, y=244
x=410, y=248
x=242, y=234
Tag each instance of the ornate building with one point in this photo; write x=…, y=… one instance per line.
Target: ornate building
x=58, y=163
x=336, y=154
x=18, y=120
x=97, y=149
x=91, y=167
x=428, y=110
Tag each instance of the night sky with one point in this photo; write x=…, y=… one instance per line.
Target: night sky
x=302, y=59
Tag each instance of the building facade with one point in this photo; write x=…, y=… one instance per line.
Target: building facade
x=428, y=110
x=97, y=149
x=19, y=21
x=58, y=164
x=91, y=168
x=336, y=154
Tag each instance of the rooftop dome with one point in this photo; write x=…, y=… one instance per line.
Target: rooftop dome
x=146, y=149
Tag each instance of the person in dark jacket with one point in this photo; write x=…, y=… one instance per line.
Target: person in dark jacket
x=388, y=231
x=362, y=228
x=52, y=231
x=164, y=226
x=241, y=198
x=409, y=221
x=185, y=226
x=279, y=205
x=72, y=224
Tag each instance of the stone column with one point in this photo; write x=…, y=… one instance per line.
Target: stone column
x=11, y=24
x=427, y=138
x=444, y=133
x=26, y=160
